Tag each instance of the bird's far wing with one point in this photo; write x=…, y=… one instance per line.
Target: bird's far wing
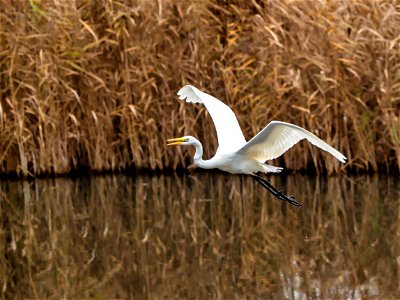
x=277, y=137
x=230, y=136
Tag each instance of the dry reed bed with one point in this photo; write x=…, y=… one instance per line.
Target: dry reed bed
x=121, y=237
x=92, y=84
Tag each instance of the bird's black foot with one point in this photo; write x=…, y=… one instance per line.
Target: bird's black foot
x=292, y=201
x=278, y=194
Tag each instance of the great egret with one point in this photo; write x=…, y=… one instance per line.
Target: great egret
x=234, y=154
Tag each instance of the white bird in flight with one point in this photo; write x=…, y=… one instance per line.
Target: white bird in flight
x=234, y=154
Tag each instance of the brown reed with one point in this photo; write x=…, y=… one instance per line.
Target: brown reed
x=92, y=84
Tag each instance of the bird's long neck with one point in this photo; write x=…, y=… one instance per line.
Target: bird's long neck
x=198, y=157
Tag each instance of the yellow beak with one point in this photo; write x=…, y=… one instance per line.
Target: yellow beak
x=176, y=141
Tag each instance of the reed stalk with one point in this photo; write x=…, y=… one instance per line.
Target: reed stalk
x=91, y=85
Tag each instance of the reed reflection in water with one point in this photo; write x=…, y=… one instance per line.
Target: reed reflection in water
x=200, y=236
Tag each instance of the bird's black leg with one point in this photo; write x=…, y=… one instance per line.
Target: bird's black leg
x=278, y=194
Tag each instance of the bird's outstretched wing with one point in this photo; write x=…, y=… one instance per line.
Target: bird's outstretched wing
x=230, y=136
x=277, y=137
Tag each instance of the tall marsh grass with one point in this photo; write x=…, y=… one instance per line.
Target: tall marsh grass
x=92, y=84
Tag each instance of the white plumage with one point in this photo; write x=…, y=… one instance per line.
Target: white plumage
x=234, y=154
x=230, y=136
x=278, y=137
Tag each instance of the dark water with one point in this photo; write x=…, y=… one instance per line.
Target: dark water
x=200, y=236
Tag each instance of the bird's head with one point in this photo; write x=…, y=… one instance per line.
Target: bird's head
x=185, y=140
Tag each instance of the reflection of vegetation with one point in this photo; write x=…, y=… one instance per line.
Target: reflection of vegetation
x=92, y=84
x=205, y=236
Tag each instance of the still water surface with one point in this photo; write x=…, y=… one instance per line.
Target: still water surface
x=200, y=236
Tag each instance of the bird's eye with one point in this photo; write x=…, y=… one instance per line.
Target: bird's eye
x=186, y=140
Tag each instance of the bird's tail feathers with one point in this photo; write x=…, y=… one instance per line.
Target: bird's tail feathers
x=270, y=169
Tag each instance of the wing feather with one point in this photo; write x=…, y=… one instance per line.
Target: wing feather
x=230, y=136
x=278, y=137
